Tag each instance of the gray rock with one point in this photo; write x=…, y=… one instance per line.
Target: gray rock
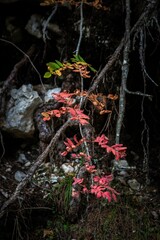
x=134, y=184
x=34, y=26
x=48, y=96
x=19, y=176
x=123, y=173
x=22, y=158
x=39, y=27
x=19, y=115
x=121, y=164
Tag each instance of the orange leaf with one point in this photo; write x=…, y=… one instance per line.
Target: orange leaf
x=112, y=97
x=46, y=116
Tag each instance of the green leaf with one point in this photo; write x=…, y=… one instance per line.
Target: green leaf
x=53, y=65
x=80, y=58
x=47, y=75
x=73, y=60
x=76, y=58
x=92, y=69
x=59, y=63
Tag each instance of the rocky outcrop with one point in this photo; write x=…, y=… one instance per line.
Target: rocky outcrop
x=19, y=114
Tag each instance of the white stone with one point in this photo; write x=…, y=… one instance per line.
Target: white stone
x=8, y=169
x=67, y=168
x=27, y=164
x=54, y=178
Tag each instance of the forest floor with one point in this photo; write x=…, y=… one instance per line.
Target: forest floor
x=135, y=216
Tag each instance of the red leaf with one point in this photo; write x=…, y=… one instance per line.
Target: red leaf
x=99, y=194
x=90, y=168
x=96, y=179
x=85, y=190
x=75, y=138
x=69, y=143
x=101, y=139
x=83, y=121
x=107, y=195
x=114, y=196
x=56, y=113
x=77, y=114
x=64, y=153
x=77, y=180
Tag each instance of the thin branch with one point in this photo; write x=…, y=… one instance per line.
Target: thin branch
x=80, y=29
x=125, y=70
x=2, y=144
x=11, y=78
x=77, y=52
x=142, y=59
x=75, y=202
x=27, y=56
x=145, y=132
x=139, y=94
x=33, y=168
x=47, y=22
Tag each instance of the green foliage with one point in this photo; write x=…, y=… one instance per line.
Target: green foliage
x=61, y=193
x=67, y=186
x=76, y=64
x=47, y=75
x=77, y=58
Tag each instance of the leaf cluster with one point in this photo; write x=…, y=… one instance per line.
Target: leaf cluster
x=95, y=3
x=98, y=100
x=100, y=185
x=76, y=64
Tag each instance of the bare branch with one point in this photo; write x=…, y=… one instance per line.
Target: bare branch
x=125, y=70
x=80, y=29
x=140, y=22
